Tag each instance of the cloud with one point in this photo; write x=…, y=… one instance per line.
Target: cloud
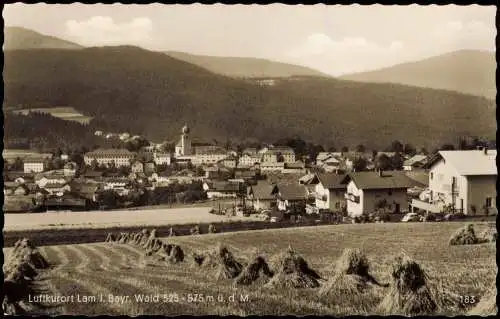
x=99, y=30
x=356, y=53
x=470, y=34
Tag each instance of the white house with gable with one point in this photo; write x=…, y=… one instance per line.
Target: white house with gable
x=464, y=180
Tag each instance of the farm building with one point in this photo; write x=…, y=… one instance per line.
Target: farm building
x=415, y=162
x=466, y=180
x=263, y=195
x=221, y=189
x=291, y=196
x=366, y=191
x=329, y=191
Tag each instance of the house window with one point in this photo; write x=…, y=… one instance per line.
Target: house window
x=337, y=205
x=389, y=193
x=488, y=202
x=432, y=175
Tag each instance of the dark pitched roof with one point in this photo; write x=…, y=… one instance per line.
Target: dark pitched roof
x=372, y=180
x=224, y=187
x=421, y=178
x=264, y=190
x=292, y=191
x=331, y=181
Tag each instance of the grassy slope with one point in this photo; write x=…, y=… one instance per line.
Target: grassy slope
x=468, y=71
x=142, y=91
x=245, y=67
x=17, y=38
x=115, y=269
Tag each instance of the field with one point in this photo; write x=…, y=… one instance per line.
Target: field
x=115, y=218
x=104, y=269
x=65, y=113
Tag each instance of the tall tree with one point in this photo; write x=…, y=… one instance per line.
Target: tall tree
x=360, y=148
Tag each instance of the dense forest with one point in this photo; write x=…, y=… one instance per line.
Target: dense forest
x=130, y=89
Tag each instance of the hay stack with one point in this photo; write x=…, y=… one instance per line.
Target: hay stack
x=171, y=232
x=195, y=230
x=154, y=246
x=176, y=255
x=150, y=240
x=144, y=237
x=212, y=229
x=411, y=294
x=294, y=272
x=110, y=238
x=198, y=259
x=222, y=261
x=465, y=236
x=256, y=271
x=489, y=235
x=351, y=275
x=487, y=305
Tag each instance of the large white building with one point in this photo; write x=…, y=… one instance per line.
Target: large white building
x=33, y=165
x=120, y=157
x=463, y=180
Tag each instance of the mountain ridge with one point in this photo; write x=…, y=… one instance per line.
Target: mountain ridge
x=20, y=38
x=146, y=92
x=464, y=71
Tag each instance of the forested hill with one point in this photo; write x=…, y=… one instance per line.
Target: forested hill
x=17, y=38
x=466, y=71
x=240, y=67
x=152, y=93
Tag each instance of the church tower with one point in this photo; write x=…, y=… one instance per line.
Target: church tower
x=183, y=147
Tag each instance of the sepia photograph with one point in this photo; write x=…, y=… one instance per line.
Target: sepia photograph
x=240, y=160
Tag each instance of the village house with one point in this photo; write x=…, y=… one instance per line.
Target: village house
x=369, y=191
x=229, y=162
x=116, y=184
x=57, y=188
x=278, y=154
x=149, y=167
x=160, y=178
x=262, y=195
x=137, y=167
x=329, y=161
x=87, y=190
x=329, y=191
x=70, y=169
x=415, y=162
x=120, y=157
x=33, y=165
x=297, y=167
x=47, y=179
x=464, y=180
x=291, y=196
x=272, y=166
x=162, y=158
x=221, y=189
x=248, y=161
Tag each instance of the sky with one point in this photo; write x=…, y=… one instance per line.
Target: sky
x=334, y=39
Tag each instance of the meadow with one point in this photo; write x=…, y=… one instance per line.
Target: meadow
x=111, y=269
x=62, y=112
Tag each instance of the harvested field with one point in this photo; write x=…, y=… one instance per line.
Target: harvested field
x=119, y=218
x=113, y=269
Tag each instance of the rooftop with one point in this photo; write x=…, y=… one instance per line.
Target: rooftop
x=372, y=180
x=331, y=181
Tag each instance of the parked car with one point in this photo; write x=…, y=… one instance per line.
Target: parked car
x=411, y=217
